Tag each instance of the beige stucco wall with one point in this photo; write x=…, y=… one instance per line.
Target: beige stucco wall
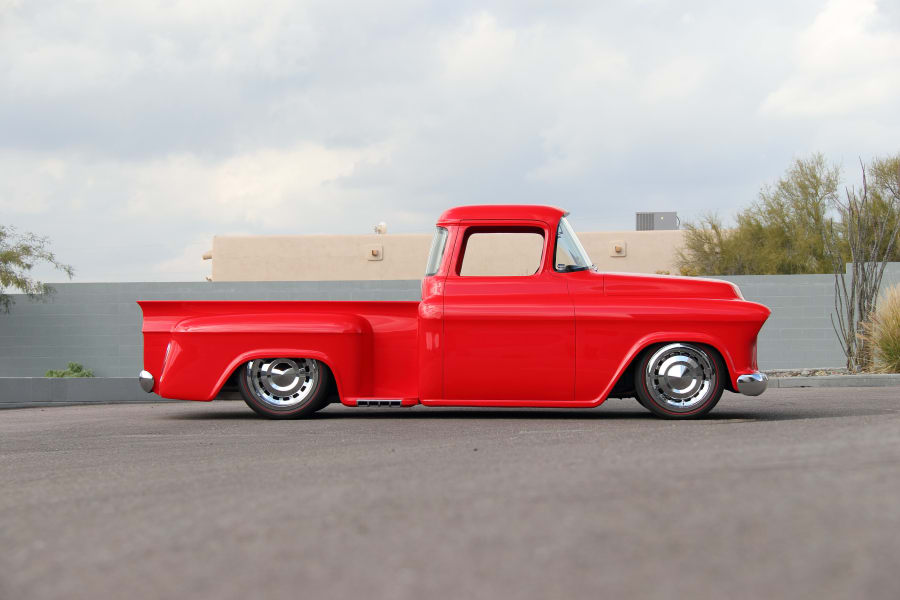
x=403, y=256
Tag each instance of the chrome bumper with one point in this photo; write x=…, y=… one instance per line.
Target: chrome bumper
x=146, y=381
x=752, y=384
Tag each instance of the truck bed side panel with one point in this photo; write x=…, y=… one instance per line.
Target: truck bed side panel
x=193, y=347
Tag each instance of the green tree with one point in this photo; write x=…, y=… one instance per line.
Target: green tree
x=781, y=232
x=19, y=253
x=883, y=179
x=784, y=230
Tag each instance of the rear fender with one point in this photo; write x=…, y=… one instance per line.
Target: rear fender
x=204, y=351
x=294, y=323
x=281, y=352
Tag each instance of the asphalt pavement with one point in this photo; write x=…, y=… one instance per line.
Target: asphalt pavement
x=795, y=494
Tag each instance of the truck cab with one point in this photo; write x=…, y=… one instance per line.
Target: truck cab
x=507, y=323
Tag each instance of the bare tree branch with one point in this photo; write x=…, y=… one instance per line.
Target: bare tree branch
x=870, y=239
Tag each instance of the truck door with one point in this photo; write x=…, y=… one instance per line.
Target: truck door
x=509, y=324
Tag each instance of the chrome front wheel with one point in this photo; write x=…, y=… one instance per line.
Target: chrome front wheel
x=680, y=380
x=284, y=387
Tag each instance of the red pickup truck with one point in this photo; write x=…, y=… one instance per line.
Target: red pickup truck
x=563, y=335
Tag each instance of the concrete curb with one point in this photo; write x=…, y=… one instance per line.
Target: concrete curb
x=25, y=392
x=830, y=381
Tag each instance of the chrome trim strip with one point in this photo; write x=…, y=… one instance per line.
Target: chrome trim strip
x=752, y=384
x=146, y=381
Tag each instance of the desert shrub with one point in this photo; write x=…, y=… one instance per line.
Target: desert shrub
x=882, y=331
x=73, y=370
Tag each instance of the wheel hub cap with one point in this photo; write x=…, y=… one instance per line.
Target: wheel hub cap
x=680, y=377
x=282, y=382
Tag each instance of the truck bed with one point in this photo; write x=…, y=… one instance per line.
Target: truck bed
x=195, y=346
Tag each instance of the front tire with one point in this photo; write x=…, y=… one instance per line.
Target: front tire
x=680, y=380
x=284, y=388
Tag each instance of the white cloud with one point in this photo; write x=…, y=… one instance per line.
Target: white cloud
x=29, y=184
x=675, y=79
x=260, y=187
x=480, y=51
x=847, y=60
x=101, y=214
x=189, y=264
x=132, y=130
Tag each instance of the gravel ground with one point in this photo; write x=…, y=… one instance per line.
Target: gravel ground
x=791, y=495
x=805, y=372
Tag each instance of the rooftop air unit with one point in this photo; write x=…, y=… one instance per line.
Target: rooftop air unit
x=650, y=221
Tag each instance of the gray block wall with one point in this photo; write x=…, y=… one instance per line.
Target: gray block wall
x=799, y=333
x=21, y=392
x=98, y=324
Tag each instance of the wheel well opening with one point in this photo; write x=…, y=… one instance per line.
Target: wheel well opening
x=230, y=391
x=332, y=393
x=624, y=387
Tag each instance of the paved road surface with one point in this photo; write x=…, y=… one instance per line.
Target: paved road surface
x=795, y=494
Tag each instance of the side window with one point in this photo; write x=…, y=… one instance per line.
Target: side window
x=563, y=258
x=570, y=254
x=502, y=253
x=438, y=242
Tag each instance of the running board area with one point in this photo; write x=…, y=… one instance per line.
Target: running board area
x=379, y=402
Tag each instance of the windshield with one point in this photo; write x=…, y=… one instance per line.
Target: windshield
x=437, y=251
x=570, y=254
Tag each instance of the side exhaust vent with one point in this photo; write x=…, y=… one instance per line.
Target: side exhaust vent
x=378, y=402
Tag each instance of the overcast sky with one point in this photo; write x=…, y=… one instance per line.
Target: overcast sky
x=132, y=132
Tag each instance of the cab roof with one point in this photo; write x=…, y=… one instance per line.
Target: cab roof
x=501, y=212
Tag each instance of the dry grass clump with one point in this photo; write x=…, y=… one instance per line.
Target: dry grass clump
x=882, y=332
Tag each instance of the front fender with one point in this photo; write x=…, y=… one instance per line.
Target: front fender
x=611, y=334
x=671, y=337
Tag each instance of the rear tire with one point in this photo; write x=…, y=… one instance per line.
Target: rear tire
x=680, y=380
x=284, y=388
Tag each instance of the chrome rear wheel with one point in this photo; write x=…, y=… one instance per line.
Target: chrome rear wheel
x=282, y=382
x=283, y=387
